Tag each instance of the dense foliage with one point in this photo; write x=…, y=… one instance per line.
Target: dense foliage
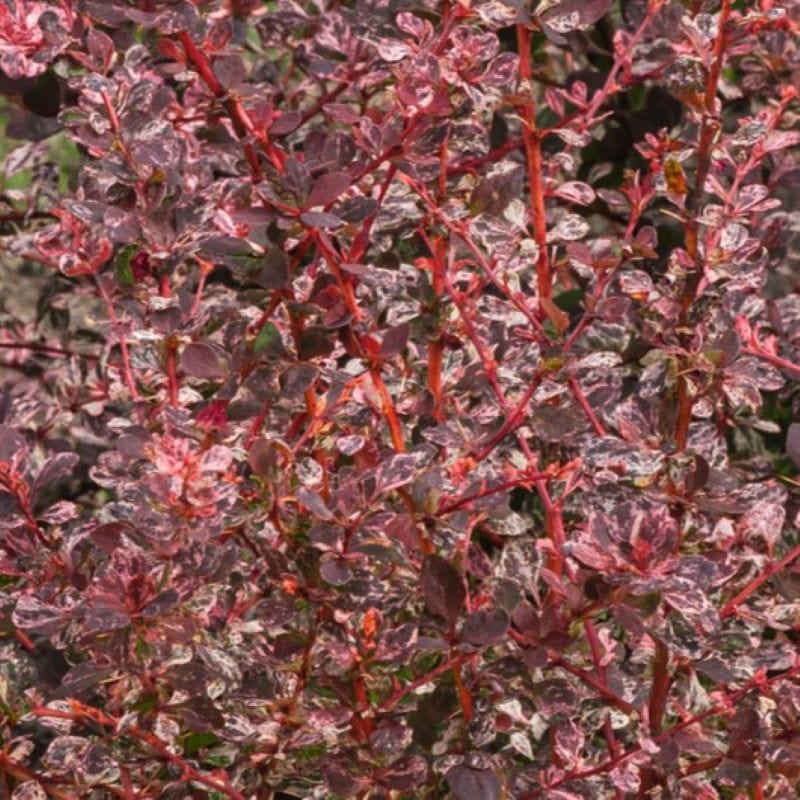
x=397, y=399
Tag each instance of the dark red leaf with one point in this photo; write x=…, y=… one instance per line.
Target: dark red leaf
x=327, y=188
x=397, y=470
x=316, y=505
x=285, y=123
x=793, y=443
x=394, y=340
x=736, y=773
x=230, y=71
x=485, y=626
x=320, y=219
x=473, y=784
x=35, y=616
x=442, y=588
x=295, y=380
x=82, y=677
x=55, y=468
x=405, y=775
x=315, y=342
x=201, y=361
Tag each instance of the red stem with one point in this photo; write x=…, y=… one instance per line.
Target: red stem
x=127, y=372
x=84, y=713
x=659, y=691
x=45, y=348
x=464, y=696
x=127, y=786
x=594, y=647
x=525, y=480
x=779, y=362
x=532, y=139
x=206, y=267
x=513, y=421
x=436, y=346
x=171, y=351
x=435, y=353
x=345, y=282
x=326, y=98
x=584, y=404
x=362, y=722
x=22, y=773
x=713, y=711
x=451, y=663
x=597, y=685
x=461, y=232
x=685, y=401
x=240, y=119
x=730, y=607
x=389, y=410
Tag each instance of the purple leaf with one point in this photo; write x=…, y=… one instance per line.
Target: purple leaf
x=230, y=70
x=781, y=140
x=59, y=513
x=442, y=588
x=406, y=774
x=391, y=738
x=201, y=361
x=161, y=604
x=29, y=790
x=564, y=16
x=492, y=195
x=394, y=340
x=314, y=503
x=274, y=272
x=396, y=471
x=82, y=677
x=101, y=47
x=295, y=380
x=485, y=626
x=576, y=192
x=320, y=219
x=340, y=780
x=568, y=741
x=793, y=443
x=335, y=571
x=327, y=188
x=286, y=123
x=65, y=753
x=261, y=457
x=55, y=468
x=101, y=619
x=35, y=616
x=157, y=146
x=716, y=669
x=737, y=773
x=23, y=157
x=473, y=784
x=11, y=443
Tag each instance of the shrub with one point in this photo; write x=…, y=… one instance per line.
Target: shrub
x=397, y=399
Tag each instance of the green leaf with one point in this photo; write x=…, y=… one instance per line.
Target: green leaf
x=198, y=740
x=269, y=339
x=637, y=97
x=570, y=300
x=145, y=704
x=218, y=760
x=123, y=266
x=312, y=752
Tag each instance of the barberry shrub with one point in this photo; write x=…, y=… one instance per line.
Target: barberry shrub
x=397, y=399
